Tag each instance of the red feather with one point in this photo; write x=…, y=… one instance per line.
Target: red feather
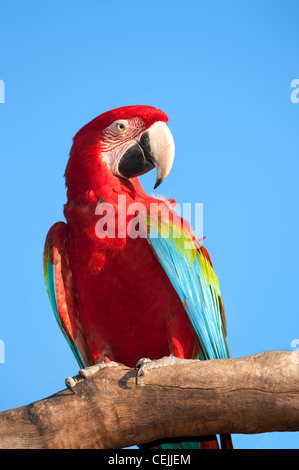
x=126, y=306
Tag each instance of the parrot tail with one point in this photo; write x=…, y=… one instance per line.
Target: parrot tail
x=226, y=441
x=208, y=442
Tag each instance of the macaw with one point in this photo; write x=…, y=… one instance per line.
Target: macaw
x=121, y=297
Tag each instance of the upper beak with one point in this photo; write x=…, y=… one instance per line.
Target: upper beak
x=154, y=148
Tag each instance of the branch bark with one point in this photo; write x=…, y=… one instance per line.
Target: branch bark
x=255, y=394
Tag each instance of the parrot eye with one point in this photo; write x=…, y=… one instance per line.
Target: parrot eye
x=121, y=126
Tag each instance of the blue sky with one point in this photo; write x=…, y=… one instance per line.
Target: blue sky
x=222, y=72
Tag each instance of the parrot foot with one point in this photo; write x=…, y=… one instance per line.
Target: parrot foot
x=89, y=371
x=145, y=364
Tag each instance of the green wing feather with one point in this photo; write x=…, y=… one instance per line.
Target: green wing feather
x=190, y=271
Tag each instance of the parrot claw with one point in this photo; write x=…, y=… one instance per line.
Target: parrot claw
x=145, y=364
x=89, y=371
x=70, y=382
x=140, y=364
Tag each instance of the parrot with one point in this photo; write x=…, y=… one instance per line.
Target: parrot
x=128, y=285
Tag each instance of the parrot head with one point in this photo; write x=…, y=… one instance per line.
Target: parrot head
x=130, y=141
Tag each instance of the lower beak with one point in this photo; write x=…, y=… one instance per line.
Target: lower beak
x=154, y=149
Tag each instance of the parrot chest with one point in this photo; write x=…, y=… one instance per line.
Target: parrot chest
x=126, y=304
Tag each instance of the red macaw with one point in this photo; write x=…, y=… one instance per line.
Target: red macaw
x=119, y=298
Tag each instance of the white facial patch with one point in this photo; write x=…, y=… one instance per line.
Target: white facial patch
x=112, y=157
x=117, y=138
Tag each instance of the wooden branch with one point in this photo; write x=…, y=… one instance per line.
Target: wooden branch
x=254, y=394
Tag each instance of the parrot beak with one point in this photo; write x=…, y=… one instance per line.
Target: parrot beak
x=155, y=148
x=162, y=149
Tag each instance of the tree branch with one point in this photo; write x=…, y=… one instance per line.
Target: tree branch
x=254, y=394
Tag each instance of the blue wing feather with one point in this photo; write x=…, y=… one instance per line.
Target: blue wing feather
x=196, y=284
